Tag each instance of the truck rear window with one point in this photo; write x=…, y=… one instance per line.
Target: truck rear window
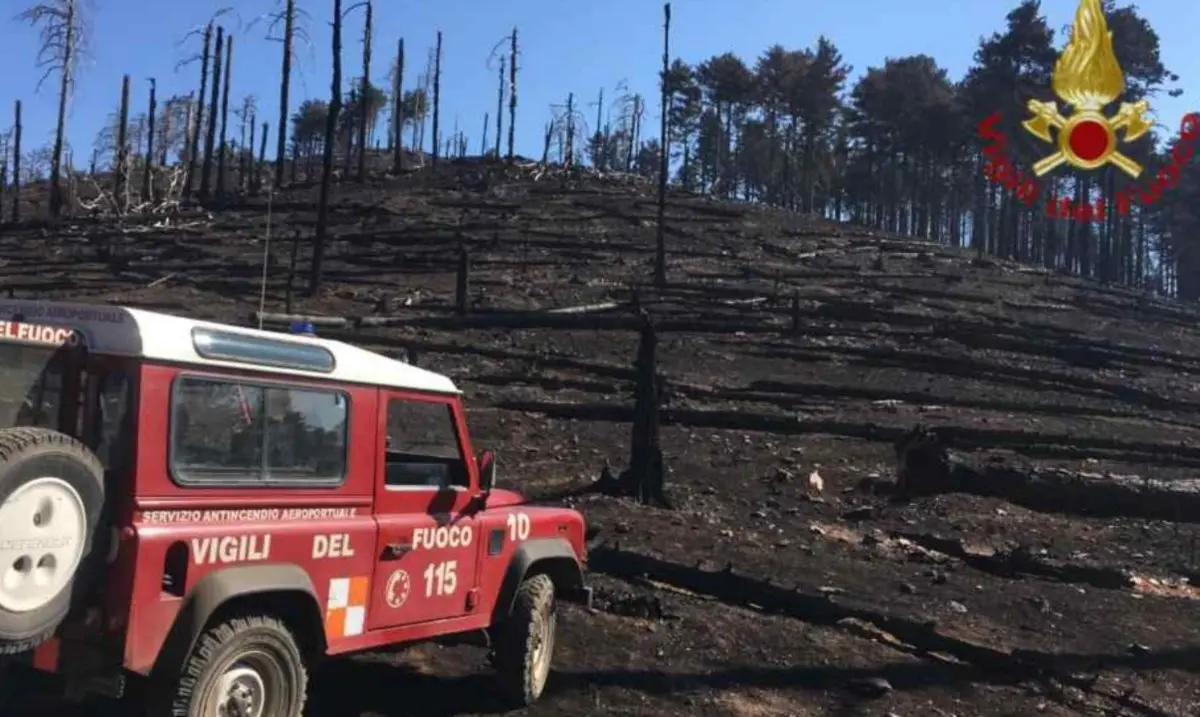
x=31, y=380
x=228, y=432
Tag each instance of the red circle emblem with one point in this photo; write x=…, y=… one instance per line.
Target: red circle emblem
x=1089, y=140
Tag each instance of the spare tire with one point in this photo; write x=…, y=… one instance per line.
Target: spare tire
x=51, y=496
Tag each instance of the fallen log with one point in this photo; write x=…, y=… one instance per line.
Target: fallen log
x=317, y=320
x=926, y=467
x=573, y=321
x=588, y=308
x=732, y=588
x=1011, y=563
x=338, y=322
x=930, y=470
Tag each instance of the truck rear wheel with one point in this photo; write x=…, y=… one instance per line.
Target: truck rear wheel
x=524, y=643
x=249, y=666
x=51, y=495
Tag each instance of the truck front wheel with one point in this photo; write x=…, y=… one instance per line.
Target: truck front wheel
x=523, y=645
x=249, y=666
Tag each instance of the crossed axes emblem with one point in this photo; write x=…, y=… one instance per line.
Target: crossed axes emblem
x=1087, y=139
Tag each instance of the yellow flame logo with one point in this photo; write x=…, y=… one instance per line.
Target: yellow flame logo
x=1087, y=77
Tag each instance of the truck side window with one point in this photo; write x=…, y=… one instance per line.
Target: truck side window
x=423, y=449
x=112, y=421
x=232, y=432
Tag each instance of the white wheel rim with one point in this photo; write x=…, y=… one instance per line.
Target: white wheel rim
x=241, y=692
x=42, y=529
x=543, y=651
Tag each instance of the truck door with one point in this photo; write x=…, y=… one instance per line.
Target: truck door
x=424, y=496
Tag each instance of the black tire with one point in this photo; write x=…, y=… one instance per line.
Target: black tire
x=28, y=455
x=259, y=643
x=523, y=645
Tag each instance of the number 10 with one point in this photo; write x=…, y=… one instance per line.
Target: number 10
x=518, y=526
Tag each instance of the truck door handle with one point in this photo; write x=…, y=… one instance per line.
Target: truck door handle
x=395, y=551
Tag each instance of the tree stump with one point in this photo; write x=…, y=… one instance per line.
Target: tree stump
x=645, y=479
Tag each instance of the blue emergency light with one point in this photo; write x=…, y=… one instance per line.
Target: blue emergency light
x=303, y=327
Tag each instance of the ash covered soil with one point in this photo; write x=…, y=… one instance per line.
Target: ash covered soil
x=760, y=594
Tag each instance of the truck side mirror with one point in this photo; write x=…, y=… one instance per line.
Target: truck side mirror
x=487, y=470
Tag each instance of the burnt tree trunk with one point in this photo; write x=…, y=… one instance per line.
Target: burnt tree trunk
x=398, y=111
x=512, y=97
x=348, y=157
x=3, y=179
x=262, y=157
x=645, y=479
x=194, y=137
x=121, y=178
x=568, y=158
x=285, y=83
x=660, y=244
x=221, y=157
x=335, y=106
x=364, y=97
x=437, y=97
x=68, y=69
x=247, y=163
x=16, y=200
x=499, y=108
x=210, y=138
x=147, y=184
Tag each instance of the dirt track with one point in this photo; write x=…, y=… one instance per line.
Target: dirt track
x=968, y=605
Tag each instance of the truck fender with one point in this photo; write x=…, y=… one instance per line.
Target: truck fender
x=553, y=556
x=220, y=587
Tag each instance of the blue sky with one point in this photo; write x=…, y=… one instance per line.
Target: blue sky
x=566, y=46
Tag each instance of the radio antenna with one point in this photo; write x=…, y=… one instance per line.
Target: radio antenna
x=262, y=295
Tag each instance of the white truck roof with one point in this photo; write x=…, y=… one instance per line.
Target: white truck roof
x=127, y=331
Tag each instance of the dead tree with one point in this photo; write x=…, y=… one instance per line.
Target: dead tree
x=247, y=168
x=348, y=156
x=569, y=159
x=484, y=137
x=262, y=157
x=3, y=174
x=660, y=244
x=211, y=136
x=512, y=98
x=224, y=150
x=193, y=138
x=121, y=177
x=645, y=479
x=147, y=189
x=61, y=35
x=437, y=98
x=547, y=138
x=398, y=110
x=365, y=96
x=335, y=106
x=499, y=110
x=16, y=201
x=290, y=32
x=598, y=140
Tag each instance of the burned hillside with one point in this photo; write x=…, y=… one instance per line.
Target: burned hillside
x=1045, y=573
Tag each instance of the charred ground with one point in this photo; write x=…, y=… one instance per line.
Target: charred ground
x=788, y=346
